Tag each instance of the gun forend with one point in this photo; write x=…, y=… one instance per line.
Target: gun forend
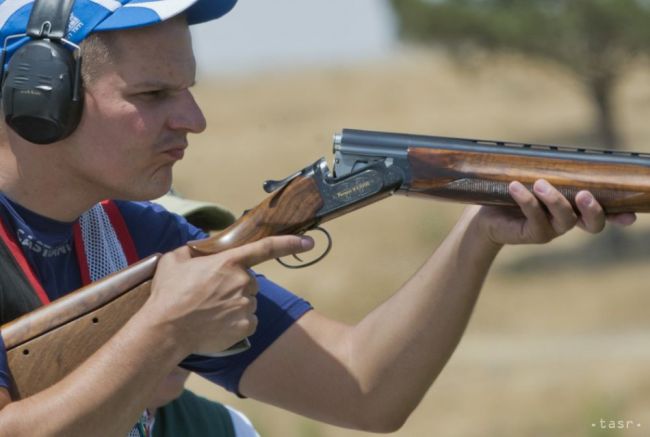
x=479, y=171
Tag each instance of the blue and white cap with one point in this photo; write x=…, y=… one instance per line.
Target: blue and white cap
x=90, y=16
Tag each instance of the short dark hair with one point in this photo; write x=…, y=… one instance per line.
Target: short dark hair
x=98, y=50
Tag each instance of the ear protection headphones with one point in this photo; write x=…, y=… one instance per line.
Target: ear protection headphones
x=42, y=95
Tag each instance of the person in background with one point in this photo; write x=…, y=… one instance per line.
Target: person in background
x=206, y=216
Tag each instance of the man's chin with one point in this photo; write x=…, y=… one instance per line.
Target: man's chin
x=156, y=188
x=143, y=195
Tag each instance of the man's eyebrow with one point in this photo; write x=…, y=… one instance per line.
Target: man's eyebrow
x=155, y=84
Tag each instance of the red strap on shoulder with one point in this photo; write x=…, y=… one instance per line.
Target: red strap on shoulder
x=121, y=230
x=19, y=256
x=80, y=250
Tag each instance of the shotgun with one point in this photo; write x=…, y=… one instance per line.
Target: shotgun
x=368, y=166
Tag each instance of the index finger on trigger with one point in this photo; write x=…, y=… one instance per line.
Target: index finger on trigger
x=268, y=248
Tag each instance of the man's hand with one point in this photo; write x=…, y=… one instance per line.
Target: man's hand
x=209, y=302
x=543, y=215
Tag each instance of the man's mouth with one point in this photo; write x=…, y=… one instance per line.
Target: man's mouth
x=176, y=153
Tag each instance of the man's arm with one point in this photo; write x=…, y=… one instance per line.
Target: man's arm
x=197, y=305
x=107, y=393
x=372, y=375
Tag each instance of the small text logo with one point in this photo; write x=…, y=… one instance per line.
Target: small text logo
x=616, y=424
x=74, y=24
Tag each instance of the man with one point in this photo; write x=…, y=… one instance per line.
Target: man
x=137, y=113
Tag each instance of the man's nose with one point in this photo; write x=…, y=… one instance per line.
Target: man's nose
x=187, y=116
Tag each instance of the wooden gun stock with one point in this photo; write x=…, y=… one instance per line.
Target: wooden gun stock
x=474, y=177
x=50, y=342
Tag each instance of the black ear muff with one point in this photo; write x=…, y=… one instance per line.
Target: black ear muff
x=41, y=92
x=41, y=87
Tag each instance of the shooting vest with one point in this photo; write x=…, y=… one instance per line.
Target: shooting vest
x=102, y=243
x=103, y=246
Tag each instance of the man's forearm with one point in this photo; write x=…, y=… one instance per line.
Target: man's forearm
x=106, y=394
x=371, y=376
x=405, y=343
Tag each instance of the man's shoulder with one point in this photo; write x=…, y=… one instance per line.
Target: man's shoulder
x=141, y=208
x=154, y=229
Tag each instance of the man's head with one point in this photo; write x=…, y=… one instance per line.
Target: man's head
x=138, y=113
x=42, y=90
x=137, y=107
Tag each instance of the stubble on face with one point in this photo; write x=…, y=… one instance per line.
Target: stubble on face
x=138, y=112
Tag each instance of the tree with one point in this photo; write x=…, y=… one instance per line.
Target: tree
x=594, y=39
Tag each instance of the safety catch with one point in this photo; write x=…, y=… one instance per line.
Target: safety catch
x=271, y=186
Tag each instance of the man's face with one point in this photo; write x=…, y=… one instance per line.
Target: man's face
x=137, y=114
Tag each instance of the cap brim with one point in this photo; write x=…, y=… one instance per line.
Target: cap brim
x=143, y=13
x=204, y=215
x=90, y=16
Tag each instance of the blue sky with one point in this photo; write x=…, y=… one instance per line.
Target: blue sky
x=271, y=34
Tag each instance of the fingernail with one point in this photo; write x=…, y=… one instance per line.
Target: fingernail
x=542, y=187
x=306, y=243
x=516, y=187
x=587, y=200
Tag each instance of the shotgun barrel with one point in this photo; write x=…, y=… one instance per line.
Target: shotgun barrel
x=479, y=171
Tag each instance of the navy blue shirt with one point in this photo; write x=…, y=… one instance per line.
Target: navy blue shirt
x=49, y=248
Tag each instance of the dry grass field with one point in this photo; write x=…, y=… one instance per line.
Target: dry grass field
x=552, y=352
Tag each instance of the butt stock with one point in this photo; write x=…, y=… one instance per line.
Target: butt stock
x=53, y=340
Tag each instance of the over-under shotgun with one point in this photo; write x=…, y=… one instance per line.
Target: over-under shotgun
x=45, y=345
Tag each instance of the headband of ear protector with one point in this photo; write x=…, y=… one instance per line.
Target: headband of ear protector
x=42, y=94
